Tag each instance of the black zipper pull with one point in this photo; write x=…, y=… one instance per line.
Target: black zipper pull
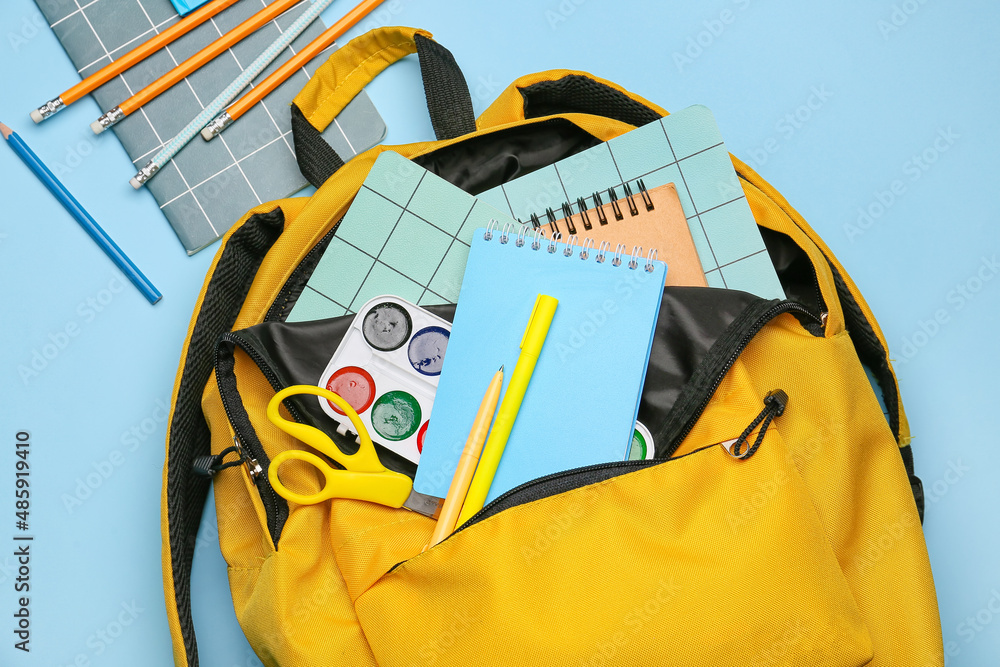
x=774, y=406
x=207, y=466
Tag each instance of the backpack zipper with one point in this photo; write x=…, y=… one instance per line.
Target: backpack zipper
x=778, y=309
x=252, y=454
x=536, y=489
x=293, y=279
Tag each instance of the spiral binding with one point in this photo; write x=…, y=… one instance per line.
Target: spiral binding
x=521, y=236
x=551, y=218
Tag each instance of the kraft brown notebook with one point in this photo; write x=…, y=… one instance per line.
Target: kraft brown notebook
x=646, y=218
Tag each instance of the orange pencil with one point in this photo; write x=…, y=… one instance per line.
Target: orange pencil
x=466, y=467
x=130, y=59
x=192, y=64
x=280, y=75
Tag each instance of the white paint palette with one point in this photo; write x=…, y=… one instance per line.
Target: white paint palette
x=387, y=368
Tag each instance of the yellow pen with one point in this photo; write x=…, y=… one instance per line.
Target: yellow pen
x=531, y=347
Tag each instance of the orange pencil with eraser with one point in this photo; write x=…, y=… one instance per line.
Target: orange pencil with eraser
x=130, y=59
x=192, y=64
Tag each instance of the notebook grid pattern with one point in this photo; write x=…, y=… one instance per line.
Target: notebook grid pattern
x=209, y=185
x=452, y=245
x=732, y=252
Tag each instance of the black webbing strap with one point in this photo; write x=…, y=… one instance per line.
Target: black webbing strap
x=189, y=435
x=448, y=100
x=317, y=159
x=446, y=90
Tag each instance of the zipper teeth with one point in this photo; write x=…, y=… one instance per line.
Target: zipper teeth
x=550, y=478
x=767, y=316
x=264, y=367
x=770, y=314
x=285, y=288
x=268, y=496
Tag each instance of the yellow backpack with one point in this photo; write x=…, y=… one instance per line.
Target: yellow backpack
x=800, y=543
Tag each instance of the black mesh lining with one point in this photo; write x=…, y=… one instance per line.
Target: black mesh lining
x=189, y=433
x=576, y=93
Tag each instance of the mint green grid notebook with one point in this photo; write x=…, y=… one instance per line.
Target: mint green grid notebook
x=407, y=233
x=684, y=148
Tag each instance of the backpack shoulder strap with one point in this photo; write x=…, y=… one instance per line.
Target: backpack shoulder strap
x=184, y=493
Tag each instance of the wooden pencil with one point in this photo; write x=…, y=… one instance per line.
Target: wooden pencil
x=192, y=64
x=292, y=65
x=130, y=59
x=80, y=214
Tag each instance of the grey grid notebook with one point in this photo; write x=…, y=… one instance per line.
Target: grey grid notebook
x=209, y=185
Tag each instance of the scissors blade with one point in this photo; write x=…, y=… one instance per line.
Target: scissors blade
x=424, y=504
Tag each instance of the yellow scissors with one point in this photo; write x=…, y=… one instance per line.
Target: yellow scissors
x=365, y=478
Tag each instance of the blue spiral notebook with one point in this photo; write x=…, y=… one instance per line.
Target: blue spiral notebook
x=581, y=404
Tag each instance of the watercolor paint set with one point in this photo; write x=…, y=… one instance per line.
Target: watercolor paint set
x=387, y=369
x=641, y=447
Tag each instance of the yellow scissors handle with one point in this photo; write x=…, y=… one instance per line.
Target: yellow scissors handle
x=385, y=488
x=365, y=478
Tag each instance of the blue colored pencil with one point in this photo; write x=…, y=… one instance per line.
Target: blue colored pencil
x=77, y=211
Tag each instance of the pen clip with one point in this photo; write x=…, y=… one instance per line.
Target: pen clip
x=534, y=310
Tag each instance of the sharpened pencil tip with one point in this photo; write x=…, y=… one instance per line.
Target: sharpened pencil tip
x=5, y=131
x=501, y=369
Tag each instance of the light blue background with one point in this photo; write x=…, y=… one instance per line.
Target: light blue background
x=887, y=96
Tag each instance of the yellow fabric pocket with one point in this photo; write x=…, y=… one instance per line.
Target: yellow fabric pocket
x=662, y=566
